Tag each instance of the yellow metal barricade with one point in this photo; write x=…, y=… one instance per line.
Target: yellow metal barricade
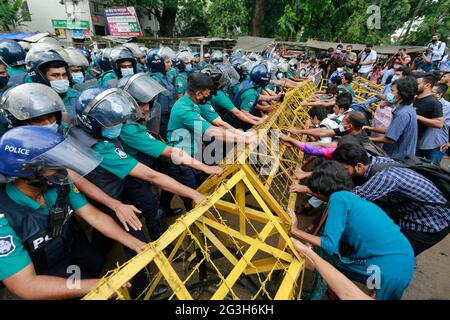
x=234, y=245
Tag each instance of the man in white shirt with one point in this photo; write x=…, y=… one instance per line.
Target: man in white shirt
x=368, y=60
x=438, y=51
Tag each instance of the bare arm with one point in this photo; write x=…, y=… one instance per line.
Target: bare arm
x=165, y=182
x=108, y=227
x=125, y=213
x=179, y=156
x=344, y=288
x=218, y=122
x=27, y=285
x=382, y=139
x=316, y=132
x=432, y=123
x=376, y=130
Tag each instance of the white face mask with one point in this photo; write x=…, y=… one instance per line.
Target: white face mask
x=54, y=126
x=340, y=70
x=60, y=86
x=126, y=72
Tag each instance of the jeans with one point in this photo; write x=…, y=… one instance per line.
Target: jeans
x=386, y=76
x=434, y=155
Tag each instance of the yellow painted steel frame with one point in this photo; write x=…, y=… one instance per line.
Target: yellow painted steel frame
x=244, y=219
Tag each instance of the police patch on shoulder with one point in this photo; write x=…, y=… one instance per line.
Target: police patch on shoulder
x=121, y=153
x=7, y=246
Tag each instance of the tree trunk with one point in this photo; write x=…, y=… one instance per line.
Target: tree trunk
x=408, y=29
x=259, y=12
x=167, y=21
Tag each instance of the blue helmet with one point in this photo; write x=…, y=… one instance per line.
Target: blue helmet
x=86, y=53
x=12, y=53
x=260, y=75
x=155, y=62
x=38, y=61
x=101, y=63
x=118, y=55
x=100, y=107
x=238, y=65
x=25, y=157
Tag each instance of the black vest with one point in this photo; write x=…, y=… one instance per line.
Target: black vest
x=33, y=229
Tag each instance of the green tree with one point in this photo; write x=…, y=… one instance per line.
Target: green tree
x=11, y=14
x=228, y=18
x=192, y=18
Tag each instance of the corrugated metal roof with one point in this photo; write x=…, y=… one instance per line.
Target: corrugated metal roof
x=254, y=44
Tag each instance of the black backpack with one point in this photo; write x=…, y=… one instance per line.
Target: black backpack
x=438, y=176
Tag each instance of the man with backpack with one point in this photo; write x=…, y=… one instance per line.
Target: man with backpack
x=415, y=195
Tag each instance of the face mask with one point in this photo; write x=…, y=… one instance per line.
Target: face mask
x=390, y=98
x=60, y=86
x=4, y=81
x=367, y=50
x=78, y=77
x=112, y=132
x=394, y=78
x=189, y=68
x=340, y=70
x=126, y=72
x=54, y=126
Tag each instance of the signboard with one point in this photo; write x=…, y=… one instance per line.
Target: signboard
x=77, y=34
x=70, y=24
x=123, y=22
x=60, y=33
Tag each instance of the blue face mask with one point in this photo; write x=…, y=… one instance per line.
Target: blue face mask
x=126, y=72
x=112, y=132
x=189, y=68
x=390, y=98
x=78, y=77
x=60, y=86
x=4, y=81
x=54, y=126
x=394, y=78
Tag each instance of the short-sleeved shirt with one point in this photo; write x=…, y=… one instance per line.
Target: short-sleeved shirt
x=429, y=137
x=222, y=101
x=208, y=112
x=115, y=160
x=186, y=126
x=13, y=256
x=181, y=83
x=366, y=58
x=249, y=100
x=136, y=138
x=403, y=131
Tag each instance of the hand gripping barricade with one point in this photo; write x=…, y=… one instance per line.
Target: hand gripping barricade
x=235, y=244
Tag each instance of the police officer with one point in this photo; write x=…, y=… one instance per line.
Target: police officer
x=140, y=144
x=159, y=62
x=123, y=64
x=223, y=104
x=4, y=77
x=78, y=66
x=196, y=62
x=38, y=105
x=248, y=93
x=139, y=55
x=39, y=241
x=217, y=57
x=184, y=65
x=205, y=61
x=101, y=63
x=51, y=69
x=187, y=129
x=89, y=73
x=13, y=55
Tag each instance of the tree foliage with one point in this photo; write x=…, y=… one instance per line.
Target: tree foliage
x=11, y=14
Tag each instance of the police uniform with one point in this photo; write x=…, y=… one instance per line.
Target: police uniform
x=24, y=236
x=181, y=82
x=108, y=79
x=17, y=76
x=185, y=131
x=142, y=146
x=166, y=102
x=223, y=106
x=70, y=102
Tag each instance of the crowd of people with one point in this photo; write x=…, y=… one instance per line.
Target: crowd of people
x=112, y=135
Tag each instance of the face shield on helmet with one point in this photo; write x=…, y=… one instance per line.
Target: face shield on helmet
x=142, y=87
x=51, y=41
x=135, y=50
x=76, y=58
x=31, y=100
x=231, y=76
x=186, y=57
x=167, y=53
x=113, y=107
x=69, y=154
x=45, y=47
